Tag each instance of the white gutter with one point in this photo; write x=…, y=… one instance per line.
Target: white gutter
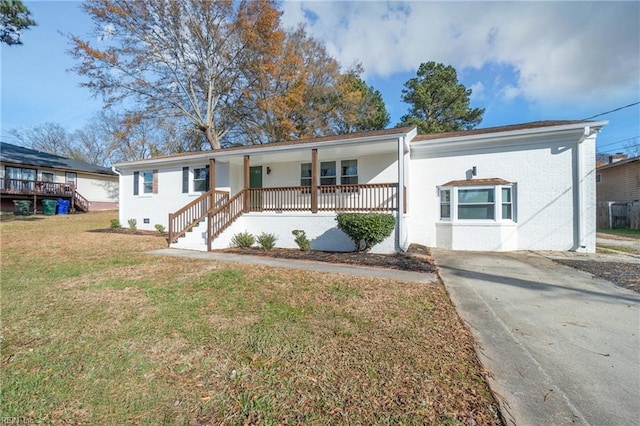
x=514, y=134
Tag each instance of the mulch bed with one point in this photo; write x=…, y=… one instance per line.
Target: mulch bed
x=416, y=259
x=625, y=275
x=127, y=231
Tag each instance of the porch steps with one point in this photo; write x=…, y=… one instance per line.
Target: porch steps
x=195, y=239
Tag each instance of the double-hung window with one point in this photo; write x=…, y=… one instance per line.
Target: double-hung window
x=507, y=203
x=305, y=174
x=147, y=183
x=445, y=204
x=349, y=172
x=201, y=179
x=477, y=203
x=327, y=173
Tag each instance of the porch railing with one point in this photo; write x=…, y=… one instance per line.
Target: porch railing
x=188, y=216
x=372, y=197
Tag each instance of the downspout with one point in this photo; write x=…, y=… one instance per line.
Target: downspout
x=580, y=193
x=401, y=231
x=116, y=171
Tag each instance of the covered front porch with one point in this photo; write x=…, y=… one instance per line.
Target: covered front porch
x=363, y=177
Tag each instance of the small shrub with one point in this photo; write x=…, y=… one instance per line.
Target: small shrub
x=243, y=239
x=366, y=229
x=301, y=239
x=132, y=224
x=267, y=241
x=115, y=224
x=159, y=228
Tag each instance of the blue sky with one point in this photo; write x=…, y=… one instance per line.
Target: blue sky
x=525, y=61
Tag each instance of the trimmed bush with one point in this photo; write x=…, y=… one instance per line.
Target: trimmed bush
x=115, y=224
x=267, y=241
x=366, y=229
x=301, y=239
x=243, y=239
x=132, y=224
x=159, y=228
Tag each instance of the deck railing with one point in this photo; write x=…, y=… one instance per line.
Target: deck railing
x=34, y=187
x=45, y=189
x=372, y=197
x=188, y=216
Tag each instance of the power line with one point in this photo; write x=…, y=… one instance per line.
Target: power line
x=617, y=142
x=613, y=110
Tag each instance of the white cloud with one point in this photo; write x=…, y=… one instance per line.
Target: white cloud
x=561, y=52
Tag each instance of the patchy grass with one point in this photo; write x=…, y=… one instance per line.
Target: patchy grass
x=609, y=248
x=624, y=232
x=96, y=331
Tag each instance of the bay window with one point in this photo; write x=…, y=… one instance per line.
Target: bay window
x=464, y=202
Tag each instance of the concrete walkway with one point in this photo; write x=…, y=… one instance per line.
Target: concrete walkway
x=563, y=347
x=306, y=265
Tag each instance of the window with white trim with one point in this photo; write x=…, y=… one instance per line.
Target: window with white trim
x=328, y=173
x=305, y=174
x=507, y=203
x=147, y=182
x=477, y=203
x=445, y=204
x=349, y=172
x=201, y=179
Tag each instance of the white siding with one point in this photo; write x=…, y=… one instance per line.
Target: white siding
x=156, y=207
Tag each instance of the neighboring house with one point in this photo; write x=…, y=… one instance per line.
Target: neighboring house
x=618, y=193
x=619, y=180
x=520, y=187
x=27, y=174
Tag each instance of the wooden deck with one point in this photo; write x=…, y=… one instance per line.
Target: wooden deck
x=37, y=190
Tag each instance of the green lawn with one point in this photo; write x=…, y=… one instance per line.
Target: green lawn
x=95, y=331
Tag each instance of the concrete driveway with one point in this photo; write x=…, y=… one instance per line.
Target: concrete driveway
x=563, y=347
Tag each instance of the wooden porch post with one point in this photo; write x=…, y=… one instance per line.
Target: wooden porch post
x=314, y=181
x=73, y=197
x=246, y=206
x=212, y=182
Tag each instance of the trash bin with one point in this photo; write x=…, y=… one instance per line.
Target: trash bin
x=22, y=207
x=49, y=207
x=63, y=206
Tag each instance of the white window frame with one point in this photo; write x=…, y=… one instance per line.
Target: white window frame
x=333, y=176
x=445, y=201
x=194, y=180
x=305, y=180
x=497, y=203
x=344, y=172
x=147, y=187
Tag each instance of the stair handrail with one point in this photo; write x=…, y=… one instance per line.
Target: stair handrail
x=184, y=219
x=234, y=207
x=82, y=202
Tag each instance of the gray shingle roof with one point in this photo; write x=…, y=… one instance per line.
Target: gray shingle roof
x=29, y=157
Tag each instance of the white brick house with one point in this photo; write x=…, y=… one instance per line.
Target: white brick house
x=520, y=187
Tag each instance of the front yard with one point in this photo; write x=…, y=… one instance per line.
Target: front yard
x=96, y=331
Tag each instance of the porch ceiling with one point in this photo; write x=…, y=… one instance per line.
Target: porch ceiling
x=330, y=152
